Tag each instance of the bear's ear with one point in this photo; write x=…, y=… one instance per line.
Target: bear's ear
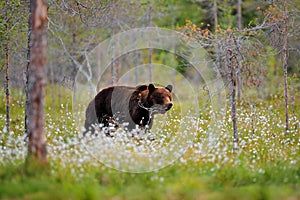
x=151, y=88
x=141, y=88
x=169, y=87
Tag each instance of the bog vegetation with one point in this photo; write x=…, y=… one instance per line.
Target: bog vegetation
x=248, y=148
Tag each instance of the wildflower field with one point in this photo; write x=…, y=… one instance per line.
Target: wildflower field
x=265, y=166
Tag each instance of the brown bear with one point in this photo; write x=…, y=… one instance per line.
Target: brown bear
x=130, y=105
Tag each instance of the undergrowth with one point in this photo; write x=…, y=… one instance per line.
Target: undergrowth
x=266, y=165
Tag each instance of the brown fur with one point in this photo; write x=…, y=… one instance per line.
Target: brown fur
x=128, y=104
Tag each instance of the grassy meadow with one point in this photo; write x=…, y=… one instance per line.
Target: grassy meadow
x=265, y=166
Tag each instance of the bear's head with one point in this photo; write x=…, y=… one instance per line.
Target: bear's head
x=157, y=99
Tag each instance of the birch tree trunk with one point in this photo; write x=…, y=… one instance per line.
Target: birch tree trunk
x=36, y=82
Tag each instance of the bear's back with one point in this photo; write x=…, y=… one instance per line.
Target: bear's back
x=113, y=99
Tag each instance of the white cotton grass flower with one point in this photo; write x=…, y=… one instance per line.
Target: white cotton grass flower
x=67, y=149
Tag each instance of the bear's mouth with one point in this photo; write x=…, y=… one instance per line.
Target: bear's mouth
x=159, y=109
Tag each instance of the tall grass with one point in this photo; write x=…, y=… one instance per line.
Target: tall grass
x=266, y=166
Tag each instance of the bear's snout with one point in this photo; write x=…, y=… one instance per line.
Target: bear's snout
x=169, y=106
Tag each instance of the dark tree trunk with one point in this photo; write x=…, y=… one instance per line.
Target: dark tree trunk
x=233, y=110
x=7, y=93
x=233, y=66
x=27, y=67
x=36, y=82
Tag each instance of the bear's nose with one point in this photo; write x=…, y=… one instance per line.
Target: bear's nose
x=169, y=106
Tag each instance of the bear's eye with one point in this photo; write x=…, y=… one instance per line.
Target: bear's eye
x=159, y=99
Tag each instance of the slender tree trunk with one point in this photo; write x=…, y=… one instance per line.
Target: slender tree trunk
x=215, y=11
x=233, y=65
x=216, y=46
x=239, y=26
x=284, y=51
x=239, y=83
x=239, y=14
x=73, y=54
x=74, y=34
x=233, y=110
x=36, y=84
x=7, y=93
x=27, y=67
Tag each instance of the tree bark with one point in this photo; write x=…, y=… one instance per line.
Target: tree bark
x=284, y=51
x=233, y=110
x=27, y=67
x=36, y=82
x=7, y=93
x=233, y=66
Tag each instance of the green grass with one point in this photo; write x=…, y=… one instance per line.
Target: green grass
x=267, y=165
x=176, y=182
